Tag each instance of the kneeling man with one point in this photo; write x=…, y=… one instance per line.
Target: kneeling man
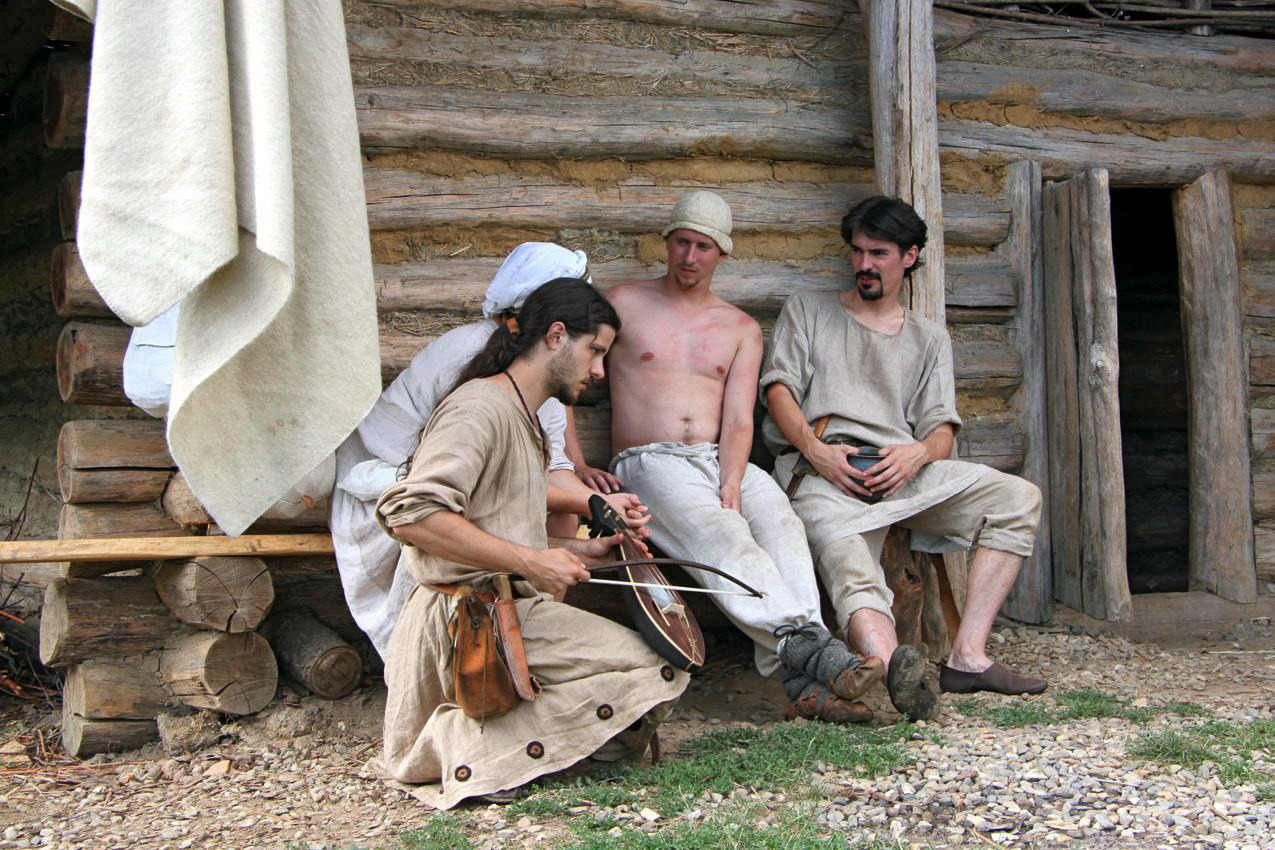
x=473, y=506
x=880, y=376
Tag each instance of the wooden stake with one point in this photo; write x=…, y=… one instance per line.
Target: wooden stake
x=163, y=548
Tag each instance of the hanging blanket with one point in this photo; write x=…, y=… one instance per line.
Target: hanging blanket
x=222, y=172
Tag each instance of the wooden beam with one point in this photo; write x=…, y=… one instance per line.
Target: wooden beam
x=1032, y=598
x=905, y=130
x=163, y=548
x=774, y=17
x=399, y=199
x=1257, y=227
x=112, y=461
x=1221, y=524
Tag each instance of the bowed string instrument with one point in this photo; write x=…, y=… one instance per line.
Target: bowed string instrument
x=656, y=607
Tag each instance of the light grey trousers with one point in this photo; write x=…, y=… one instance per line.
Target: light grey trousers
x=763, y=544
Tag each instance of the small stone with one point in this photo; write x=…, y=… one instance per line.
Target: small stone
x=649, y=815
x=219, y=768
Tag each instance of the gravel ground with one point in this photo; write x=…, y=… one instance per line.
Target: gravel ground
x=293, y=776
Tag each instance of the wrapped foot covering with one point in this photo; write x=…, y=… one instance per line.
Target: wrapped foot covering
x=813, y=650
x=813, y=701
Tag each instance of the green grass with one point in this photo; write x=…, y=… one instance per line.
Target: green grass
x=443, y=832
x=737, y=828
x=1231, y=746
x=775, y=757
x=1086, y=704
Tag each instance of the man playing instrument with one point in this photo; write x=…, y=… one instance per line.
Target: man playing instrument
x=375, y=583
x=684, y=382
x=879, y=376
x=471, y=507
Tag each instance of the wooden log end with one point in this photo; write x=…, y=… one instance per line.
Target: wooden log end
x=223, y=593
x=230, y=673
x=53, y=623
x=313, y=655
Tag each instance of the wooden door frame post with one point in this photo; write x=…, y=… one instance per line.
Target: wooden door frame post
x=905, y=139
x=1221, y=522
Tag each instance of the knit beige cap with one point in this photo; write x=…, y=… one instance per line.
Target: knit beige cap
x=703, y=212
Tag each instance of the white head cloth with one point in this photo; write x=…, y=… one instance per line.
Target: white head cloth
x=526, y=269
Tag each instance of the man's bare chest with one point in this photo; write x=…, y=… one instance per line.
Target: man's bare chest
x=689, y=348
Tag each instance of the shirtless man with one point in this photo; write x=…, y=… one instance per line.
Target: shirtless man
x=684, y=381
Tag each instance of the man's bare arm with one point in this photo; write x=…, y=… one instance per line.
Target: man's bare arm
x=829, y=461
x=738, y=398
x=450, y=536
x=591, y=476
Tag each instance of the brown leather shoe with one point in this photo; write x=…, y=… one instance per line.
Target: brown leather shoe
x=996, y=679
x=853, y=682
x=818, y=703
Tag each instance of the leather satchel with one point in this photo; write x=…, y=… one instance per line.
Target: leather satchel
x=489, y=665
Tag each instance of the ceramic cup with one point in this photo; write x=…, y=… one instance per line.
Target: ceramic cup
x=867, y=458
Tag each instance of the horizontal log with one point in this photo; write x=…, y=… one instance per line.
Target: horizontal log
x=776, y=17
x=1264, y=546
x=1129, y=159
x=759, y=287
x=313, y=655
x=69, y=203
x=1259, y=288
x=108, y=519
x=61, y=25
x=85, y=738
x=1263, y=492
x=116, y=689
x=1088, y=91
x=112, y=461
x=1262, y=433
x=122, y=549
x=319, y=593
x=91, y=617
x=399, y=199
x=568, y=57
x=1258, y=229
x=1261, y=361
x=230, y=673
x=539, y=126
x=66, y=101
x=90, y=363
x=72, y=292
x=181, y=505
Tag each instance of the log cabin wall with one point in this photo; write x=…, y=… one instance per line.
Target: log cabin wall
x=30, y=411
x=1255, y=223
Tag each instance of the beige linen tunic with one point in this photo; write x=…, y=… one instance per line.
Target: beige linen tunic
x=881, y=389
x=481, y=457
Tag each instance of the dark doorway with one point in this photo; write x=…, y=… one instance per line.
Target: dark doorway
x=1153, y=389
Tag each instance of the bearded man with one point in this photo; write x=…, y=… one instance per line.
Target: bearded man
x=880, y=377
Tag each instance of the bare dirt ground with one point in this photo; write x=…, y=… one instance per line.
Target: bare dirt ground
x=293, y=776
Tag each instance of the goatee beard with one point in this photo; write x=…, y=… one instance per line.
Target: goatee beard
x=868, y=294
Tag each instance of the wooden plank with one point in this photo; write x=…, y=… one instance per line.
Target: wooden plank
x=1257, y=227
x=1221, y=526
x=1129, y=159
x=772, y=17
x=156, y=548
x=568, y=57
x=1032, y=598
x=904, y=129
x=1104, y=578
x=997, y=440
x=399, y=199
x=1062, y=397
x=1259, y=288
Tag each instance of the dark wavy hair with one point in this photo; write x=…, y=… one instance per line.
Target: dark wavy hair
x=570, y=300
x=888, y=219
